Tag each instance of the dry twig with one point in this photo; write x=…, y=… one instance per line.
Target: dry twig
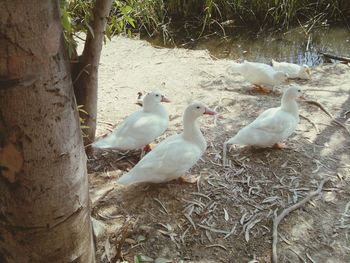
x=336, y=57
x=313, y=124
x=217, y=245
x=215, y=230
x=285, y=212
x=310, y=258
x=120, y=238
x=299, y=256
x=161, y=204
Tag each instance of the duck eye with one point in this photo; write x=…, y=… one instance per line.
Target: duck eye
x=198, y=107
x=157, y=95
x=299, y=90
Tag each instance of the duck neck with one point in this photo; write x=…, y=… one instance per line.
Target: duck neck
x=191, y=128
x=290, y=105
x=150, y=107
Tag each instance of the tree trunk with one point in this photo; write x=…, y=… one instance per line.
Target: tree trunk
x=44, y=202
x=87, y=83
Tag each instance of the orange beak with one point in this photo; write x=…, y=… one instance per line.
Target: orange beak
x=302, y=97
x=209, y=112
x=164, y=99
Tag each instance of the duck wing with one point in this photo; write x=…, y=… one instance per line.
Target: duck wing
x=167, y=161
x=139, y=129
x=272, y=126
x=291, y=69
x=259, y=73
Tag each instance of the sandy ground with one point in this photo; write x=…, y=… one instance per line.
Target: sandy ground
x=227, y=216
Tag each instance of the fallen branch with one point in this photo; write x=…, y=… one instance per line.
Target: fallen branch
x=285, y=212
x=312, y=102
x=340, y=58
x=106, y=122
x=120, y=237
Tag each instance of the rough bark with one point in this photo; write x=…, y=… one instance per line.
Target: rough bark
x=44, y=202
x=87, y=83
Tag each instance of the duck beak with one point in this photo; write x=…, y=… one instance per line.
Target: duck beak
x=302, y=97
x=209, y=112
x=308, y=71
x=164, y=99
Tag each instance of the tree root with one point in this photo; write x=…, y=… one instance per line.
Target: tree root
x=332, y=56
x=328, y=113
x=278, y=218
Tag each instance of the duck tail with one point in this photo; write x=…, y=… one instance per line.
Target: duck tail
x=126, y=179
x=234, y=68
x=233, y=140
x=105, y=143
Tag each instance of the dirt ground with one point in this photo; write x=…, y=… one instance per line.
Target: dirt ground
x=227, y=216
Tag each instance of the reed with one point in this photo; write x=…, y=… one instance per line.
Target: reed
x=260, y=14
x=160, y=16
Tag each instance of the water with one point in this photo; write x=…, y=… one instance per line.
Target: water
x=294, y=46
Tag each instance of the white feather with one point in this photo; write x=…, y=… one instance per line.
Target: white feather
x=272, y=126
x=140, y=128
x=259, y=73
x=293, y=70
x=174, y=156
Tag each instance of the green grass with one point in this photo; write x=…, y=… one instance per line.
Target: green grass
x=260, y=14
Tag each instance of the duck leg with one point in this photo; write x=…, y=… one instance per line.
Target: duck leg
x=146, y=150
x=226, y=162
x=187, y=180
x=262, y=89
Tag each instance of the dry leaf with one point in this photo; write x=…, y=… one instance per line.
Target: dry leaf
x=226, y=215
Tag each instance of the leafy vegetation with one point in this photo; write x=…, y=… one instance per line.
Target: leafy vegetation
x=162, y=17
x=126, y=17
x=82, y=120
x=258, y=15
x=275, y=14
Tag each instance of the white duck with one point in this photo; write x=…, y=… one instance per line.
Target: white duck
x=141, y=127
x=293, y=70
x=259, y=74
x=272, y=126
x=171, y=158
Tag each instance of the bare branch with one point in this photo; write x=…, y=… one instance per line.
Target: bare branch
x=285, y=212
